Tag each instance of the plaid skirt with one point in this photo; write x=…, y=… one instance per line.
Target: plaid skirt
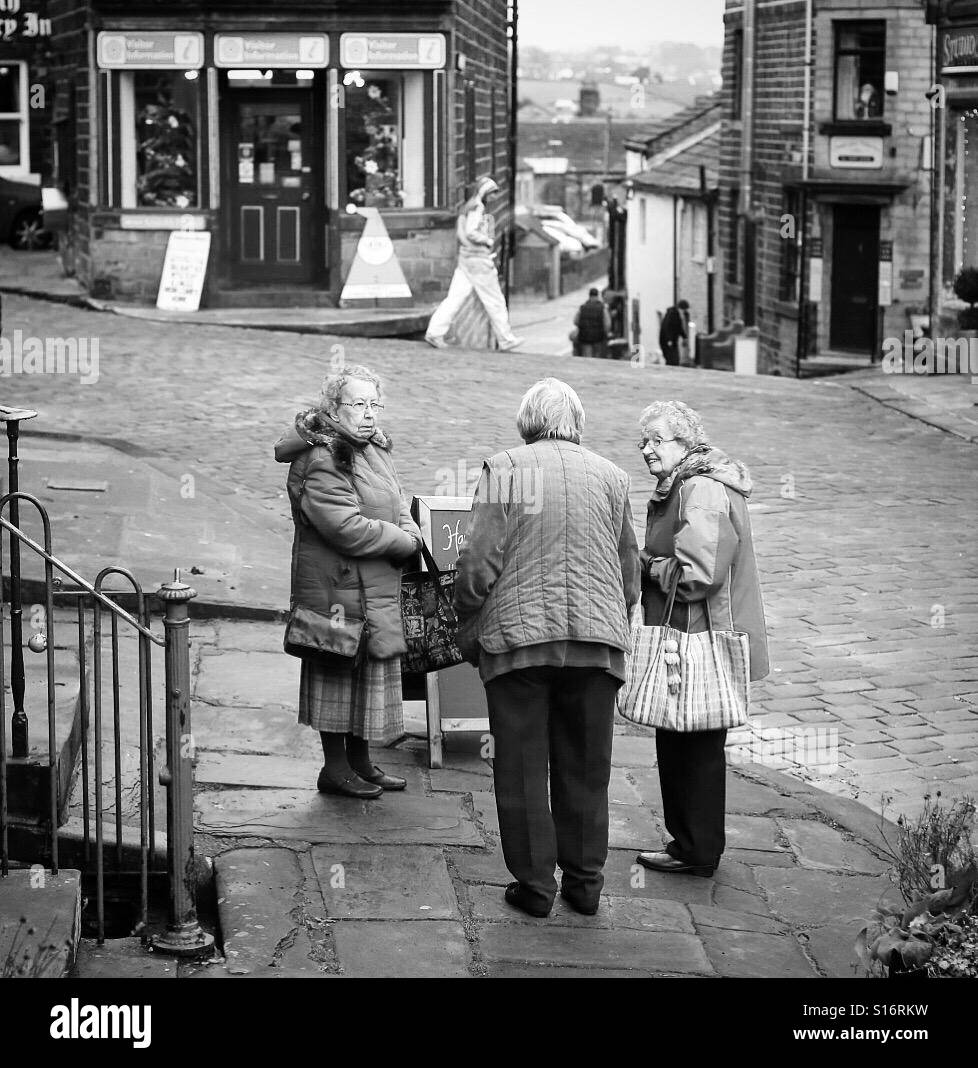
x=365, y=701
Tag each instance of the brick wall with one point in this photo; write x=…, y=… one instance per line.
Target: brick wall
x=778, y=121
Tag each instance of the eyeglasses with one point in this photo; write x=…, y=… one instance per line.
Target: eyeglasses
x=361, y=406
x=654, y=442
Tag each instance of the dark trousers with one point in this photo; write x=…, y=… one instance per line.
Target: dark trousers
x=670, y=353
x=693, y=777
x=563, y=717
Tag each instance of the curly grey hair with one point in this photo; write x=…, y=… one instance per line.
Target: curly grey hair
x=333, y=384
x=550, y=409
x=684, y=423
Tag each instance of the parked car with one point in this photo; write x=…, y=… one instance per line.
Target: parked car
x=555, y=219
x=21, y=216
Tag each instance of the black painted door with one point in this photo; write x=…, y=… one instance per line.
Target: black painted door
x=855, y=278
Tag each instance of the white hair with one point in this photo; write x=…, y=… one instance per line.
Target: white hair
x=550, y=409
x=684, y=423
x=333, y=384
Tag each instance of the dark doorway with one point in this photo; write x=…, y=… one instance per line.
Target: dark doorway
x=855, y=278
x=274, y=179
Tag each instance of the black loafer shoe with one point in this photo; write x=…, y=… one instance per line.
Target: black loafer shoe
x=350, y=786
x=385, y=782
x=667, y=863
x=585, y=908
x=516, y=896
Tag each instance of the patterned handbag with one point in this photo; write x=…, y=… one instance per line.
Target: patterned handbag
x=429, y=621
x=686, y=682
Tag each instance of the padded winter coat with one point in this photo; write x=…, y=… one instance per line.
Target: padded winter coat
x=550, y=554
x=352, y=527
x=701, y=525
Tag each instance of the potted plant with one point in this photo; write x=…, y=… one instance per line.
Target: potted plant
x=935, y=932
x=966, y=289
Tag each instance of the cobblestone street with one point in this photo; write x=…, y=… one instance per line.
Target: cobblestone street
x=863, y=517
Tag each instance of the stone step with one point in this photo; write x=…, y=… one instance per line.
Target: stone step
x=40, y=922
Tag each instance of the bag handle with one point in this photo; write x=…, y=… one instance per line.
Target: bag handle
x=671, y=601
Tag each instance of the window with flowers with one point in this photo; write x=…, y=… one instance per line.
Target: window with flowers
x=159, y=150
x=385, y=130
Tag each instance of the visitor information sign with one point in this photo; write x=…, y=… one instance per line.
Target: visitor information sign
x=184, y=268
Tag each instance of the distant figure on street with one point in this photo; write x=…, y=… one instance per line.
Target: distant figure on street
x=674, y=329
x=593, y=323
x=546, y=580
x=476, y=270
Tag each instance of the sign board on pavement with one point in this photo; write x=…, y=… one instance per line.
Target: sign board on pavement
x=184, y=269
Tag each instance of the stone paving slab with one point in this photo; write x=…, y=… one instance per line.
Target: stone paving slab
x=749, y=955
x=121, y=956
x=824, y=848
x=298, y=815
x=402, y=949
x=248, y=679
x=818, y=898
x=385, y=882
x=237, y=769
x=447, y=780
x=754, y=833
x=731, y=920
x=654, y=951
x=257, y=896
x=480, y=866
x=50, y=905
x=832, y=949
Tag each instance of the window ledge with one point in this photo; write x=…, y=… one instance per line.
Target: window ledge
x=732, y=289
x=400, y=220
x=856, y=128
x=786, y=309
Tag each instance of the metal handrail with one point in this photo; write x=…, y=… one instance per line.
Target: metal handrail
x=65, y=569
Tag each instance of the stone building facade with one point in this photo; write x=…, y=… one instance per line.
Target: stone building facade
x=825, y=192
x=268, y=126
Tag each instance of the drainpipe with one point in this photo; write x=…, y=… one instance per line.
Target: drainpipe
x=937, y=127
x=802, y=342
x=513, y=101
x=747, y=164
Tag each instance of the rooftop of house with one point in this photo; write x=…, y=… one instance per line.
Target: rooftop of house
x=701, y=114
x=681, y=174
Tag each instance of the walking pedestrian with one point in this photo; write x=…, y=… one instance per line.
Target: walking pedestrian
x=476, y=271
x=545, y=583
x=353, y=532
x=593, y=323
x=674, y=328
x=698, y=527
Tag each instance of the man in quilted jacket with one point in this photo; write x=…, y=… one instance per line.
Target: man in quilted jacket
x=547, y=579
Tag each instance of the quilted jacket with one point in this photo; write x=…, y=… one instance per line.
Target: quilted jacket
x=352, y=527
x=550, y=553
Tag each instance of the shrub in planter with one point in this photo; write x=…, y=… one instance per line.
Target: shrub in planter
x=966, y=289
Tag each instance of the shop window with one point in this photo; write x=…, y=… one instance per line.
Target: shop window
x=13, y=118
x=385, y=128
x=159, y=144
x=965, y=184
x=860, y=61
x=790, y=247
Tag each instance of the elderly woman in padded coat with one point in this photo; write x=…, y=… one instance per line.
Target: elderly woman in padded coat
x=698, y=527
x=352, y=534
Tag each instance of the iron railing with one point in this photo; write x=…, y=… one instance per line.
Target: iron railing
x=183, y=934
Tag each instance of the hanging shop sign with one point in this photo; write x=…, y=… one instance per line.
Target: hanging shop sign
x=401, y=51
x=266, y=50
x=151, y=50
x=957, y=50
x=865, y=153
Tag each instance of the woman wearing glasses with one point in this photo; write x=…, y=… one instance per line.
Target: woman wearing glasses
x=697, y=527
x=353, y=532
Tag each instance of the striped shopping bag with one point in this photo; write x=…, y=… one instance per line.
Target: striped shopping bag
x=686, y=682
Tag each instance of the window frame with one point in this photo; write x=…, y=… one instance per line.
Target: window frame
x=23, y=167
x=790, y=273
x=123, y=194
x=839, y=27
x=737, y=103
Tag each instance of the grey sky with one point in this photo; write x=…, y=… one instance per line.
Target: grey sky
x=568, y=24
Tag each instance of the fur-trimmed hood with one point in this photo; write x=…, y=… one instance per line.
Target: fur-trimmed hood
x=313, y=427
x=705, y=460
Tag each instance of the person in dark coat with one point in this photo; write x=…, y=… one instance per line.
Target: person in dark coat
x=698, y=527
x=353, y=532
x=672, y=331
x=593, y=323
x=546, y=579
